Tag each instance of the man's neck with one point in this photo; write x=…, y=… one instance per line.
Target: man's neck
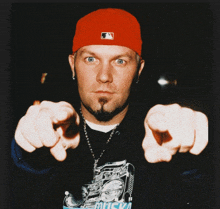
x=115, y=120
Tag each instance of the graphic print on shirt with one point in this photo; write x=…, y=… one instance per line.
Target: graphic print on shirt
x=111, y=188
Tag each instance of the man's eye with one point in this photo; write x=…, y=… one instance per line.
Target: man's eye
x=90, y=59
x=120, y=61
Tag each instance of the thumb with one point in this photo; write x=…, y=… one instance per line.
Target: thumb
x=154, y=152
x=58, y=151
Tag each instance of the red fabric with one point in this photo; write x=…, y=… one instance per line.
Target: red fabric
x=125, y=27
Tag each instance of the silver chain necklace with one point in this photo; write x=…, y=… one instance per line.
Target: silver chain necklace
x=89, y=144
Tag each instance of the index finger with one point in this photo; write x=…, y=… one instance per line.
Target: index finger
x=154, y=152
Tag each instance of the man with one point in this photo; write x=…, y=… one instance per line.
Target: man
x=104, y=151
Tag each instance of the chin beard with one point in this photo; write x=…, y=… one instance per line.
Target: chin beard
x=103, y=115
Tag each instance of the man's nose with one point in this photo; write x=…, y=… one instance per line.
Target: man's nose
x=104, y=74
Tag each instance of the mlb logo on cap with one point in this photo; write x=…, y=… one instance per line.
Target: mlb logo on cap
x=107, y=35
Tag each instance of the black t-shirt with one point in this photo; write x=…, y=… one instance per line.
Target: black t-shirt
x=123, y=179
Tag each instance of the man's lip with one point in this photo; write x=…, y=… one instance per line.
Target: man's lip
x=104, y=92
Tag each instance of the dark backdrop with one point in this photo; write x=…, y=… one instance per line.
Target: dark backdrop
x=180, y=41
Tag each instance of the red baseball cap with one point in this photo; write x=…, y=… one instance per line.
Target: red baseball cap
x=108, y=27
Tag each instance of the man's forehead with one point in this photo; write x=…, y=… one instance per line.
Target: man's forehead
x=107, y=50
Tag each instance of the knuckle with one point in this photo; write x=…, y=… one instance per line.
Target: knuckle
x=45, y=103
x=32, y=108
x=201, y=117
x=157, y=107
x=175, y=105
x=167, y=110
x=148, y=118
x=187, y=112
x=63, y=103
x=155, y=112
x=174, y=108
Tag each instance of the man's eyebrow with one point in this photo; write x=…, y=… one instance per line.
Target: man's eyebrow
x=124, y=55
x=86, y=51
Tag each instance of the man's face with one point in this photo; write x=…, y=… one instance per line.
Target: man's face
x=104, y=75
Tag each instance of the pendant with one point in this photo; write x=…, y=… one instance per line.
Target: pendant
x=95, y=166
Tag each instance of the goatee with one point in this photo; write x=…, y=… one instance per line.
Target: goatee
x=103, y=115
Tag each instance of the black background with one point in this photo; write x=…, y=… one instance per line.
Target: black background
x=180, y=40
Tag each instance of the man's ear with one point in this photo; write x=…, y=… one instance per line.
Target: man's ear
x=71, y=59
x=142, y=63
